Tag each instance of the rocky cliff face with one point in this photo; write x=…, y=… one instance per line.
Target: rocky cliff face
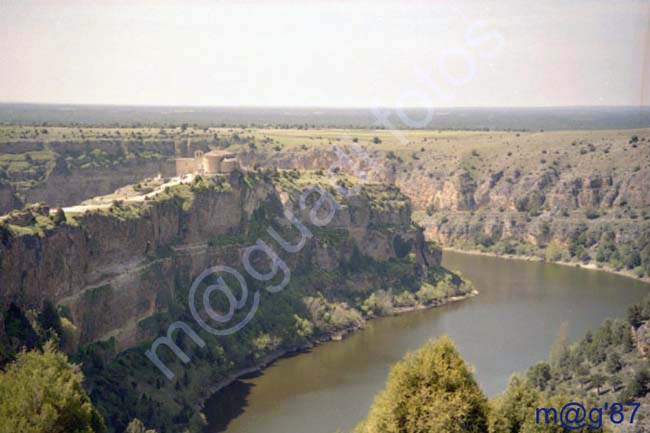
x=67, y=187
x=121, y=276
x=515, y=193
x=112, y=269
x=66, y=172
x=556, y=214
x=549, y=189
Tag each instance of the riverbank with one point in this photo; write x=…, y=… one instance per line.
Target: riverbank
x=508, y=328
x=589, y=266
x=269, y=359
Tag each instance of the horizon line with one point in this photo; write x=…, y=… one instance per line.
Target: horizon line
x=330, y=107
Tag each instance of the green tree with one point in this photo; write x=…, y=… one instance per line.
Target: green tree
x=615, y=382
x=628, y=343
x=635, y=315
x=430, y=390
x=642, y=379
x=41, y=393
x=539, y=375
x=511, y=410
x=559, y=357
x=554, y=251
x=516, y=410
x=136, y=426
x=197, y=423
x=597, y=381
x=614, y=363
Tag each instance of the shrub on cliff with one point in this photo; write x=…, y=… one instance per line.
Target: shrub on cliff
x=59, y=217
x=430, y=390
x=136, y=426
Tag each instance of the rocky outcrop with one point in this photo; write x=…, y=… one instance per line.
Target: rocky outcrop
x=66, y=172
x=457, y=193
x=67, y=187
x=642, y=334
x=546, y=190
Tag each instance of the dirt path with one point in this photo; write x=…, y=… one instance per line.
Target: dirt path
x=106, y=201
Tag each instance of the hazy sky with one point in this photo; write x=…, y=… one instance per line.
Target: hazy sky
x=326, y=53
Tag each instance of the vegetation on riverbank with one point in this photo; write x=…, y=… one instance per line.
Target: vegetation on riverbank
x=433, y=390
x=298, y=316
x=598, y=266
x=599, y=245
x=125, y=387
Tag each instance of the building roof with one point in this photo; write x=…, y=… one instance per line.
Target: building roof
x=220, y=154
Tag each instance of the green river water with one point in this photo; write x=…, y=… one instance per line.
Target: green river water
x=508, y=327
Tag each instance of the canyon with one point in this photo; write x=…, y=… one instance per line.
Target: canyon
x=571, y=196
x=563, y=196
x=119, y=269
x=120, y=276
